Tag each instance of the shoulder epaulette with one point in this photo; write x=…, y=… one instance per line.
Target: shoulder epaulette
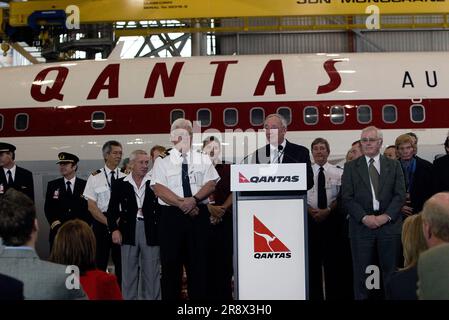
x=339, y=167
x=94, y=173
x=166, y=153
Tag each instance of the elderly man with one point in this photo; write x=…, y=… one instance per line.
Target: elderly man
x=279, y=149
x=373, y=192
x=183, y=181
x=134, y=204
x=433, y=271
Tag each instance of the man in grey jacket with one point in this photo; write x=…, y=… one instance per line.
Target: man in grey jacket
x=18, y=258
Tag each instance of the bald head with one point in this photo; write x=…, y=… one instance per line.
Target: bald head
x=435, y=217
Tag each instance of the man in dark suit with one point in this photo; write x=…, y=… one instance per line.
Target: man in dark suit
x=12, y=176
x=441, y=173
x=279, y=149
x=134, y=205
x=10, y=288
x=64, y=198
x=373, y=192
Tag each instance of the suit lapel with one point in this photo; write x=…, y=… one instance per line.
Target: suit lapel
x=285, y=158
x=362, y=169
x=130, y=192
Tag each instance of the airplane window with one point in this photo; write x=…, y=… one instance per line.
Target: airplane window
x=21, y=122
x=230, y=116
x=310, y=115
x=98, y=120
x=286, y=113
x=1, y=122
x=364, y=114
x=417, y=113
x=337, y=114
x=176, y=114
x=389, y=113
x=204, y=117
x=257, y=116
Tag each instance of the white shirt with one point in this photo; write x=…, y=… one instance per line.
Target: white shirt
x=377, y=166
x=13, y=173
x=98, y=187
x=274, y=153
x=168, y=172
x=139, y=192
x=332, y=176
x=72, y=183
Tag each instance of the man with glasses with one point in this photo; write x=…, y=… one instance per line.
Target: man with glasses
x=279, y=149
x=373, y=192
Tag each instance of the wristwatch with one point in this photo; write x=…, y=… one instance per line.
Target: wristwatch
x=196, y=199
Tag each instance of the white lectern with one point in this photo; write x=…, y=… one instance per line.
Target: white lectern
x=270, y=231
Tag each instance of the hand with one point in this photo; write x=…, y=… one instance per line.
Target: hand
x=187, y=204
x=382, y=219
x=322, y=214
x=406, y=210
x=194, y=212
x=215, y=220
x=117, y=237
x=216, y=211
x=370, y=221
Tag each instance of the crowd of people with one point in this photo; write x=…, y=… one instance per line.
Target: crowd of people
x=174, y=222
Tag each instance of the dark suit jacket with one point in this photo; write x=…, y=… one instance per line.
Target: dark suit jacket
x=441, y=174
x=10, y=288
x=423, y=184
x=293, y=153
x=123, y=205
x=403, y=285
x=61, y=206
x=357, y=197
x=23, y=181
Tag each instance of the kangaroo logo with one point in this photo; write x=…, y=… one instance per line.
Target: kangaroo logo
x=265, y=240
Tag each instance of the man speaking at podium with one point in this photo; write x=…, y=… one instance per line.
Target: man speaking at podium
x=279, y=149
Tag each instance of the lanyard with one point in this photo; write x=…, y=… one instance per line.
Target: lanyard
x=106, y=176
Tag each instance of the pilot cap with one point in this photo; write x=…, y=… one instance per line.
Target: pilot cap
x=64, y=157
x=6, y=147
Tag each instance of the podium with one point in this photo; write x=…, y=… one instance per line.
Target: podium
x=270, y=231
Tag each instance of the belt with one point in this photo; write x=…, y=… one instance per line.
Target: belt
x=140, y=219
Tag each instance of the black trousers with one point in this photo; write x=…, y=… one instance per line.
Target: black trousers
x=220, y=249
x=329, y=254
x=183, y=241
x=105, y=246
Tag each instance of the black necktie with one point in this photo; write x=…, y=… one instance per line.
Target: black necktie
x=185, y=178
x=112, y=177
x=10, y=181
x=374, y=176
x=69, y=189
x=322, y=197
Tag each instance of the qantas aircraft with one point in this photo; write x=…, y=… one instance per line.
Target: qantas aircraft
x=77, y=106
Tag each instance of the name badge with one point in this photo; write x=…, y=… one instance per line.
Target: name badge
x=56, y=194
x=2, y=189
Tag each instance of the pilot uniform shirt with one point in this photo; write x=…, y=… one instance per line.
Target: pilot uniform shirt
x=332, y=176
x=167, y=171
x=98, y=187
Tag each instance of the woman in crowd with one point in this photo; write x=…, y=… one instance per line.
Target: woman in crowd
x=75, y=245
x=403, y=283
x=220, y=231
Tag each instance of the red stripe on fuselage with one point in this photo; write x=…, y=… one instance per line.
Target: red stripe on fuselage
x=155, y=119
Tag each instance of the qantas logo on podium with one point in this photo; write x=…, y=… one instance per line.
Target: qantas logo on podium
x=269, y=179
x=242, y=178
x=266, y=244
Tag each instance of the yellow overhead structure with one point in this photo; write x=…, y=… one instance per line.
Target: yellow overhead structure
x=1, y=21
x=99, y=11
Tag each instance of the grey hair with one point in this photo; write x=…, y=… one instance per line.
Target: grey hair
x=182, y=123
x=373, y=128
x=279, y=116
x=436, y=213
x=107, y=147
x=135, y=153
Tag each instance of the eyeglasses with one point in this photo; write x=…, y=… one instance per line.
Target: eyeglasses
x=365, y=140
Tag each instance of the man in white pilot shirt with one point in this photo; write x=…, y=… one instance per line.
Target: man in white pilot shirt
x=183, y=181
x=321, y=200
